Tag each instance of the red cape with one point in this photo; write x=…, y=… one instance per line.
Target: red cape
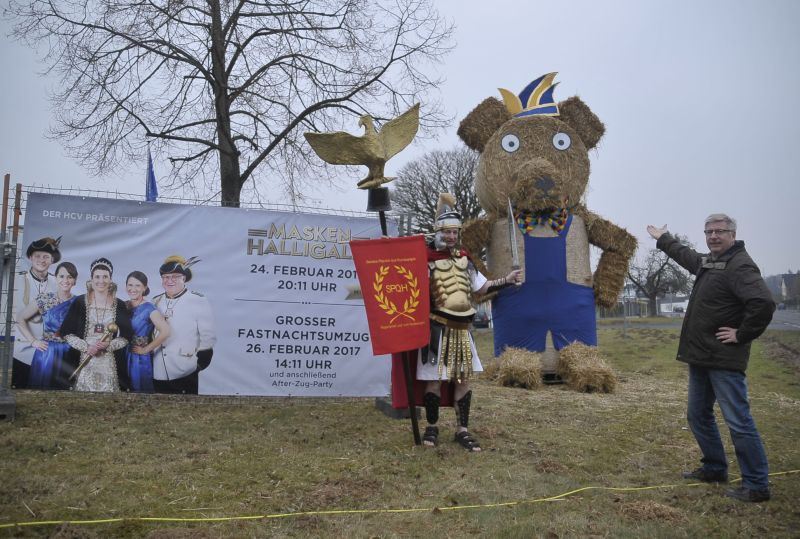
x=399, y=391
x=433, y=254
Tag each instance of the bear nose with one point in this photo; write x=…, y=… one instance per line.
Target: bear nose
x=544, y=184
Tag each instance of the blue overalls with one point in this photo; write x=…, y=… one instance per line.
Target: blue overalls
x=522, y=315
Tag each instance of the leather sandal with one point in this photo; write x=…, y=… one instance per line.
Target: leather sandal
x=467, y=441
x=431, y=436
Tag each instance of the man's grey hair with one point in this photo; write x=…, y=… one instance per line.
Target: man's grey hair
x=716, y=217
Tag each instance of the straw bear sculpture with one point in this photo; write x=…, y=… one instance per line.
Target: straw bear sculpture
x=534, y=164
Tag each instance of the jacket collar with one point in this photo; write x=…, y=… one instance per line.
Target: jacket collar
x=721, y=261
x=737, y=246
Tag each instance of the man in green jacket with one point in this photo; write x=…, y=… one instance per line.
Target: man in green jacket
x=729, y=307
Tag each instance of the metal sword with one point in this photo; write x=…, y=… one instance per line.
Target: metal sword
x=512, y=239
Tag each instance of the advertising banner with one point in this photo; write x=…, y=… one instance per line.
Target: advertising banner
x=393, y=273
x=274, y=294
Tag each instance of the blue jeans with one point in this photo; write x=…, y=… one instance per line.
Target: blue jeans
x=729, y=389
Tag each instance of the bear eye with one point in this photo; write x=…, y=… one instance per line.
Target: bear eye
x=510, y=143
x=561, y=141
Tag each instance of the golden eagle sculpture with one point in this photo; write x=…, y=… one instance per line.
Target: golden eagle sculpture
x=372, y=150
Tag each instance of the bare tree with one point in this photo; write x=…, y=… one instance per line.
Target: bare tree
x=658, y=275
x=416, y=190
x=225, y=88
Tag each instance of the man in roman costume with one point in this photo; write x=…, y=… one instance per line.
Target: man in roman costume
x=28, y=286
x=188, y=350
x=444, y=367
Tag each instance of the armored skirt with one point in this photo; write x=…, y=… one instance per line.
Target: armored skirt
x=429, y=365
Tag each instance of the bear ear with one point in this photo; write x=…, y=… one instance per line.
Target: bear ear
x=580, y=117
x=480, y=124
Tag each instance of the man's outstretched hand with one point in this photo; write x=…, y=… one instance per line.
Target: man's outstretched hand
x=656, y=232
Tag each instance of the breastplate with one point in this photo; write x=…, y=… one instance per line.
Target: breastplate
x=451, y=287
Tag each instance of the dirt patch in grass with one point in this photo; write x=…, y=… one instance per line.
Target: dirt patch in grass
x=179, y=533
x=651, y=510
x=550, y=466
x=70, y=531
x=784, y=347
x=332, y=491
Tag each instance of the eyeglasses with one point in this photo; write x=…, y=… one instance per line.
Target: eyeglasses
x=717, y=231
x=171, y=278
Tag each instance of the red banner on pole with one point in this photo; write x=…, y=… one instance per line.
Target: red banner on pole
x=393, y=273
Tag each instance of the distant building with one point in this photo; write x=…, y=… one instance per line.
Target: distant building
x=785, y=288
x=673, y=305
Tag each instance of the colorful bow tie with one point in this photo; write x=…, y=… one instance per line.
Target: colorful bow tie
x=556, y=218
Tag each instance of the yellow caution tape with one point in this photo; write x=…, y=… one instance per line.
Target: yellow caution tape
x=360, y=511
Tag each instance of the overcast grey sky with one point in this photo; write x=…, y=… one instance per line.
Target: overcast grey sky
x=701, y=102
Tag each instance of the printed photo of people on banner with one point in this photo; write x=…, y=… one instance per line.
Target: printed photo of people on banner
x=118, y=295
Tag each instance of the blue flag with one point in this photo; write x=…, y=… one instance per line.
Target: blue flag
x=151, y=191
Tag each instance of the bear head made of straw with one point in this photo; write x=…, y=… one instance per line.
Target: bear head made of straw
x=534, y=153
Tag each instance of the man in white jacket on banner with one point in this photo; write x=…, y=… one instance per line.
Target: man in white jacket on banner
x=190, y=346
x=29, y=285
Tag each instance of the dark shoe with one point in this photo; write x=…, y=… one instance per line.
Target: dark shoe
x=431, y=436
x=701, y=474
x=746, y=495
x=468, y=441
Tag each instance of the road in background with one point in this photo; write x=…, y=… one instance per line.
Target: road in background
x=789, y=320
x=782, y=320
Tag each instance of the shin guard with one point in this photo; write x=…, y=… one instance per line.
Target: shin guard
x=432, y=401
x=462, y=409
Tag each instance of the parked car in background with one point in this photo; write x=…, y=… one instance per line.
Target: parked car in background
x=481, y=319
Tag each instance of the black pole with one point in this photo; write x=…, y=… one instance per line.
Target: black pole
x=382, y=217
x=412, y=407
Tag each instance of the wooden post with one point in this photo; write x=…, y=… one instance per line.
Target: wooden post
x=8, y=259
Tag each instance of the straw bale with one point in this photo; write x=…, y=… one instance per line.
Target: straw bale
x=516, y=367
x=583, y=369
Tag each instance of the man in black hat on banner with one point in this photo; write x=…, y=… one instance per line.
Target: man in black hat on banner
x=28, y=286
x=190, y=345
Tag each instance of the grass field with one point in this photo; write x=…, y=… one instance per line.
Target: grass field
x=555, y=464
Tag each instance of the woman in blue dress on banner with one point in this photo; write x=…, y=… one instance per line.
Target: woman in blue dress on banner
x=47, y=370
x=150, y=329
